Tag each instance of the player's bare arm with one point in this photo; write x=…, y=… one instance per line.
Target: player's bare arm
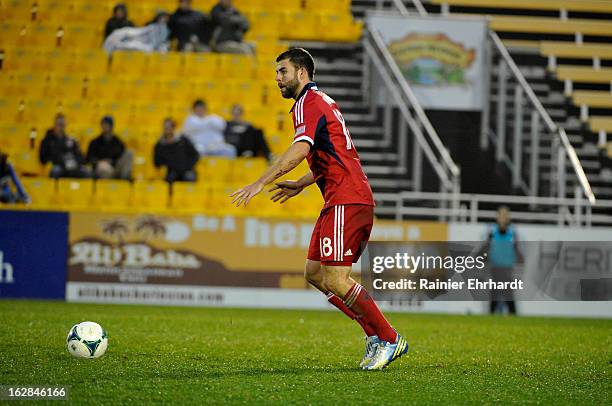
x=287, y=162
x=286, y=189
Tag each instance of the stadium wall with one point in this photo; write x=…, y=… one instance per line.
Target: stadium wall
x=33, y=254
x=532, y=232
x=208, y=260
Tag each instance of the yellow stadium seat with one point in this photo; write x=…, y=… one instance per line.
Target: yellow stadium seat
x=267, y=51
x=309, y=24
x=343, y=6
x=547, y=25
x=565, y=49
x=220, y=202
x=36, y=111
x=42, y=192
x=200, y=65
x=169, y=65
x=570, y=5
x=15, y=137
x=214, y=170
x=51, y=11
x=174, y=89
x=249, y=6
x=141, y=12
x=128, y=63
x=75, y=193
x=248, y=170
x=26, y=162
x=112, y=194
x=93, y=12
x=265, y=21
x=582, y=74
x=150, y=195
x=21, y=59
x=136, y=139
x=101, y=88
x=14, y=35
x=190, y=196
x=143, y=167
x=92, y=62
x=601, y=123
x=339, y=27
x=43, y=35
x=26, y=85
x=16, y=10
x=588, y=99
x=82, y=36
x=82, y=113
x=593, y=98
x=84, y=134
x=236, y=66
x=64, y=87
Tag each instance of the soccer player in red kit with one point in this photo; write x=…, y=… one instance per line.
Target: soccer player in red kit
x=344, y=225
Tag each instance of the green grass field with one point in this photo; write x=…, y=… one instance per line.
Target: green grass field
x=197, y=355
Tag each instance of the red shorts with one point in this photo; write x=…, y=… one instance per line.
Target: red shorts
x=340, y=234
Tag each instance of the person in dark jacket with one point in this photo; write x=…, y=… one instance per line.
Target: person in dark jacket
x=190, y=27
x=176, y=153
x=118, y=20
x=229, y=27
x=107, y=154
x=8, y=193
x=62, y=151
x=248, y=140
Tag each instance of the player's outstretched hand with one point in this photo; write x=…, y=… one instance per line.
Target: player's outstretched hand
x=245, y=194
x=285, y=190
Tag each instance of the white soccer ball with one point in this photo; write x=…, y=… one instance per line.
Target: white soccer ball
x=87, y=340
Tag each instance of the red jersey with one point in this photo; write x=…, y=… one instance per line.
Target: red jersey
x=333, y=160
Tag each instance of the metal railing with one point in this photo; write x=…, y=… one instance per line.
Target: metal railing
x=466, y=207
x=513, y=153
x=426, y=140
x=525, y=102
x=399, y=4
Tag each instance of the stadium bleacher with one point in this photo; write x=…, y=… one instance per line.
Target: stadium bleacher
x=52, y=61
x=572, y=39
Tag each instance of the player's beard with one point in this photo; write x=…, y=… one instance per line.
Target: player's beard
x=290, y=88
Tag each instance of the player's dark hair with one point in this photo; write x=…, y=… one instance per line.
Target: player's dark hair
x=300, y=58
x=199, y=103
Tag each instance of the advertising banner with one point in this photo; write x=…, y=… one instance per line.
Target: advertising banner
x=33, y=254
x=443, y=58
x=194, y=259
x=497, y=270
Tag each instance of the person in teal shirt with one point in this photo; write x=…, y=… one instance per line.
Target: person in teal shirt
x=503, y=254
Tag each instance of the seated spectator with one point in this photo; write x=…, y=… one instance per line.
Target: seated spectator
x=118, y=20
x=152, y=37
x=229, y=27
x=176, y=153
x=62, y=151
x=8, y=176
x=107, y=154
x=248, y=140
x=206, y=132
x=189, y=27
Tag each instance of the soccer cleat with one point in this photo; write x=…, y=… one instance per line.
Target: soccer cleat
x=387, y=353
x=370, y=349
